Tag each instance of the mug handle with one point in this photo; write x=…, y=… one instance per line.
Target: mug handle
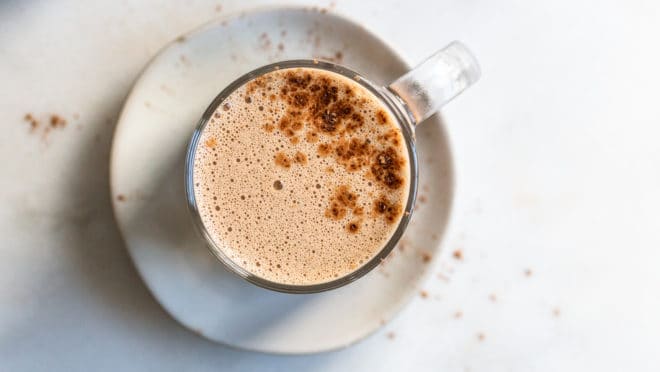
x=436, y=81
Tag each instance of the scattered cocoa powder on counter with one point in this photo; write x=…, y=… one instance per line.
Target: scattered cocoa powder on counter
x=34, y=123
x=391, y=335
x=121, y=197
x=481, y=336
x=264, y=41
x=528, y=272
x=57, y=121
x=492, y=297
x=458, y=254
x=423, y=294
x=54, y=121
x=458, y=314
x=426, y=256
x=338, y=57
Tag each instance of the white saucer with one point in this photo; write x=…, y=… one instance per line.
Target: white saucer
x=147, y=185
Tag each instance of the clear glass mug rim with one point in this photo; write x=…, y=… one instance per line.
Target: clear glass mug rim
x=406, y=118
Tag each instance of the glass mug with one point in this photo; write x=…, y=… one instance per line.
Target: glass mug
x=412, y=98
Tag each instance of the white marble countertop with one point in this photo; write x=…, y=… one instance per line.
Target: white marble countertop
x=558, y=191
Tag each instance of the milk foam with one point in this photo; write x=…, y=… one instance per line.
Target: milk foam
x=301, y=176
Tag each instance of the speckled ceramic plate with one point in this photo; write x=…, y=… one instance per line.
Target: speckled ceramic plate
x=147, y=184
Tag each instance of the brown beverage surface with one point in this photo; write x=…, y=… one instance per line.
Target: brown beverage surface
x=301, y=176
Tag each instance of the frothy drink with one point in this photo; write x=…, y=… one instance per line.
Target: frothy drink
x=301, y=176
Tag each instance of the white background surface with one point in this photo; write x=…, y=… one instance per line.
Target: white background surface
x=558, y=171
